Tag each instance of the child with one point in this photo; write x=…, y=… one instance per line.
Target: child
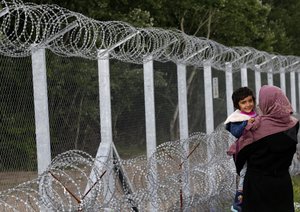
x=244, y=103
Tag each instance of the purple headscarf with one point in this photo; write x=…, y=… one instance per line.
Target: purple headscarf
x=276, y=117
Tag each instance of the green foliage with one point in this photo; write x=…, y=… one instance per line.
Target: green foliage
x=128, y=113
x=73, y=102
x=17, y=145
x=139, y=18
x=127, y=151
x=126, y=85
x=296, y=185
x=17, y=155
x=242, y=23
x=284, y=19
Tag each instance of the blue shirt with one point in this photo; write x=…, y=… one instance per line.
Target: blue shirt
x=236, y=128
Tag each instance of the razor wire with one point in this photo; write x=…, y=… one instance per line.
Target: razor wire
x=27, y=25
x=66, y=185
x=161, y=180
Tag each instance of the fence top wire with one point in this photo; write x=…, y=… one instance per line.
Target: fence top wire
x=24, y=26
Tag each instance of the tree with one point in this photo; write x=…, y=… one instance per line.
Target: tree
x=285, y=21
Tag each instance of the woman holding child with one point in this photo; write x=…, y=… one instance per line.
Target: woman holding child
x=268, y=146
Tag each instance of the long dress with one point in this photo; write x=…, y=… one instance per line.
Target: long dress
x=267, y=184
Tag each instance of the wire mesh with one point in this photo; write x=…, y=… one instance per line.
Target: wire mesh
x=17, y=139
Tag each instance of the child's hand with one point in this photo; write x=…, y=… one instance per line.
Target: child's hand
x=251, y=120
x=253, y=123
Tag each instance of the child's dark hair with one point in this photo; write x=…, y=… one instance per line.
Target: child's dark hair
x=240, y=94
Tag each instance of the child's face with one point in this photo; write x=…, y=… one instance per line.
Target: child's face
x=246, y=104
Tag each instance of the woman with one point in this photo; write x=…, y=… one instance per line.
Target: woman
x=268, y=148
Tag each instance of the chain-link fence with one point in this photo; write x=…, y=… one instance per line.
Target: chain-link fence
x=17, y=139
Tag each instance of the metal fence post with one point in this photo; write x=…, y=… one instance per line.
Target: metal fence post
x=257, y=83
x=244, y=77
x=282, y=80
x=270, y=76
x=208, y=98
x=150, y=120
x=229, y=87
x=39, y=78
x=293, y=90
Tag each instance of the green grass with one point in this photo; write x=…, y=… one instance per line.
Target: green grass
x=127, y=151
x=296, y=185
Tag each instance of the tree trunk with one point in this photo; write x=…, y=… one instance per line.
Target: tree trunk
x=173, y=123
x=78, y=123
x=174, y=134
x=209, y=23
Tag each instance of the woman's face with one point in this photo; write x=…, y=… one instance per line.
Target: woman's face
x=247, y=104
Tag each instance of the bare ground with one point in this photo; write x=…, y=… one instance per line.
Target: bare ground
x=12, y=179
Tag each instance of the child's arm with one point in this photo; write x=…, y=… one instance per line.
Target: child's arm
x=236, y=128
